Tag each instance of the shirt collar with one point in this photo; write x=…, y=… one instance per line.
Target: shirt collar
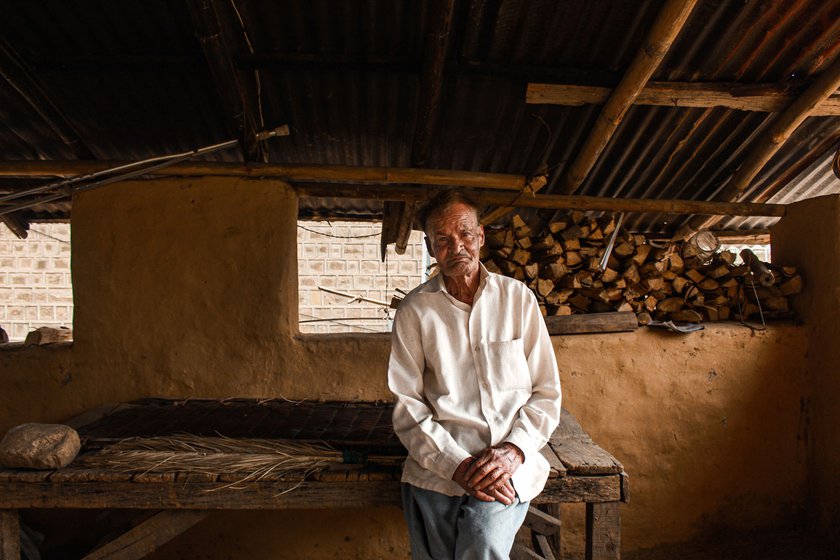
x=436, y=284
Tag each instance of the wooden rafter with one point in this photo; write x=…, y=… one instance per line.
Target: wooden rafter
x=770, y=141
x=768, y=98
x=665, y=29
x=17, y=74
x=435, y=47
x=219, y=39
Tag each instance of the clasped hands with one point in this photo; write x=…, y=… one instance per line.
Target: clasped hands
x=487, y=475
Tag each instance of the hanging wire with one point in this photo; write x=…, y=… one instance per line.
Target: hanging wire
x=338, y=236
x=49, y=236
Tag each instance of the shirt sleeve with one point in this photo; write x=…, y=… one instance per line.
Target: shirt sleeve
x=427, y=442
x=539, y=416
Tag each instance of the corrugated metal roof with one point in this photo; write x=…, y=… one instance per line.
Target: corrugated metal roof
x=131, y=79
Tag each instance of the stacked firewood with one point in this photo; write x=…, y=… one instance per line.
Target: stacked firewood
x=562, y=264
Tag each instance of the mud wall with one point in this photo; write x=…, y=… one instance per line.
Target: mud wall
x=188, y=289
x=809, y=238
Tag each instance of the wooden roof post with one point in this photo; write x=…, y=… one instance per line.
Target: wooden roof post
x=665, y=29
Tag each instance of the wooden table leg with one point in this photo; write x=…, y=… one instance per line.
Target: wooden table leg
x=9, y=535
x=603, y=531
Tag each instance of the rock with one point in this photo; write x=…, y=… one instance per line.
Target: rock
x=48, y=335
x=39, y=446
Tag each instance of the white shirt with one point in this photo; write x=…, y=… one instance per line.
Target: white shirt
x=466, y=378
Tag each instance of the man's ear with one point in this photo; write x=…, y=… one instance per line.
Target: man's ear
x=480, y=235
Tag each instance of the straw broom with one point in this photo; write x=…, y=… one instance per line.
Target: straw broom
x=254, y=459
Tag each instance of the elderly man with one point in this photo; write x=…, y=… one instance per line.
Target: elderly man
x=477, y=395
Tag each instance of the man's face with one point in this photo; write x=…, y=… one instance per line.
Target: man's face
x=454, y=239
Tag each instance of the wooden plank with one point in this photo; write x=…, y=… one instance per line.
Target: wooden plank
x=74, y=473
x=9, y=535
x=147, y=537
x=200, y=495
x=522, y=552
x=555, y=539
x=578, y=453
x=769, y=98
x=618, y=321
x=576, y=489
x=583, y=457
x=543, y=548
x=603, y=531
x=542, y=522
x=261, y=495
x=557, y=467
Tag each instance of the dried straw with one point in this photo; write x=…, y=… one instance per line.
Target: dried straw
x=254, y=459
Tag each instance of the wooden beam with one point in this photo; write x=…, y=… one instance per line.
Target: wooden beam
x=297, y=173
x=553, y=201
x=17, y=226
x=17, y=74
x=769, y=98
x=435, y=46
x=142, y=540
x=215, y=30
x=768, y=144
x=169, y=494
x=665, y=29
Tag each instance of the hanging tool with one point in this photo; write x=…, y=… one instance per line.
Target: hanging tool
x=608, y=251
x=67, y=189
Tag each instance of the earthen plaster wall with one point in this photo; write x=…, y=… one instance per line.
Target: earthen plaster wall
x=809, y=238
x=188, y=289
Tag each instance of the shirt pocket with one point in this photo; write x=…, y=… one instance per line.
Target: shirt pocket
x=507, y=367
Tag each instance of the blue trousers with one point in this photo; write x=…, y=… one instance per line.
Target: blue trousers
x=442, y=527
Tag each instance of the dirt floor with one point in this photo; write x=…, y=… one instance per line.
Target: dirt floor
x=786, y=545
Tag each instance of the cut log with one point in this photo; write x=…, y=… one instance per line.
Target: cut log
x=671, y=304
x=791, y=287
x=592, y=323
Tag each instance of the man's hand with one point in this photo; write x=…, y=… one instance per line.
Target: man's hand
x=491, y=471
x=504, y=493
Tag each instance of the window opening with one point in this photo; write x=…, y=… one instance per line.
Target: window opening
x=36, y=288
x=343, y=286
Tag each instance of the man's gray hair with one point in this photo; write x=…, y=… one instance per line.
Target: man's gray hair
x=441, y=202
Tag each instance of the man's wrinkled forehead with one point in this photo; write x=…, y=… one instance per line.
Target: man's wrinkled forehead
x=464, y=214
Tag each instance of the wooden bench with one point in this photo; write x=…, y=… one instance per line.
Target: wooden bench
x=581, y=472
